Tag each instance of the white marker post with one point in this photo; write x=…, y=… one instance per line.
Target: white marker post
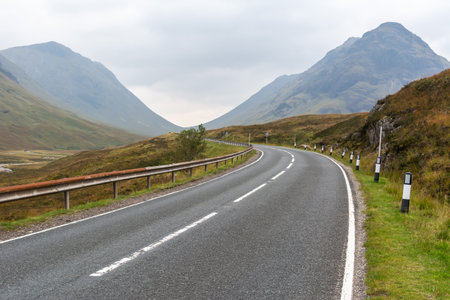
x=314, y=147
x=331, y=150
x=322, y=148
x=343, y=154
x=406, y=193
x=351, y=157
x=295, y=141
x=305, y=146
x=357, y=162
x=377, y=169
x=378, y=163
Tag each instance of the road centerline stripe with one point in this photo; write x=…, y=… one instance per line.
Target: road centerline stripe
x=150, y=247
x=278, y=175
x=249, y=193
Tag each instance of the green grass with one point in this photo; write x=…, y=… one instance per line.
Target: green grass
x=183, y=179
x=408, y=255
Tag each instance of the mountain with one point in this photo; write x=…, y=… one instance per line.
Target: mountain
x=27, y=122
x=86, y=88
x=350, y=78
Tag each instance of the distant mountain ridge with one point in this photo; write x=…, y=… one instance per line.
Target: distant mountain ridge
x=27, y=122
x=86, y=88
x=350, y=78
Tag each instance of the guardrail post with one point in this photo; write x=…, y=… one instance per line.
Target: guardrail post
x=173, y=176
x=217, y=165
x=190, y=171
x=232, y=160
x=406, y=193
x=66, y=200
x=116, y=192
x=206, y=168
x=225, y=162
x=149, y=183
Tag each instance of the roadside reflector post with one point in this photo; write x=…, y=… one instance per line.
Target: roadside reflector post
x=314, y=147
x=116, y=193
x=322, y=148
x=351, y=157
x=305, y=146
x=377, y=169
x=343, y=154
x=406, y=193
x=66, y=199
x=331, y=150
x=357, y=162
x=149, y=183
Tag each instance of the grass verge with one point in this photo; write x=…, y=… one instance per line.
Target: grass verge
x=408, y=255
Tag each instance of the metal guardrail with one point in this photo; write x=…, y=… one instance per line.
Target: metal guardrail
x=18, y=192
x=228, y=142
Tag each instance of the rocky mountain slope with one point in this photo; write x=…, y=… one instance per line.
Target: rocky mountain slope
x=27, y=122
x=350, y=78
x=86, y=88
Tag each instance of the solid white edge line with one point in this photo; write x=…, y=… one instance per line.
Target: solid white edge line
x=132, y=205
x=278, y=175
x=347, y=283
x=150, y=247
x=249, y=193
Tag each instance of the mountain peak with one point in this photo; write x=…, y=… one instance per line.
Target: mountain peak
x=53, y=48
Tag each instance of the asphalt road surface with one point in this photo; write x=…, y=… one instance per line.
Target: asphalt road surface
x=276, y=229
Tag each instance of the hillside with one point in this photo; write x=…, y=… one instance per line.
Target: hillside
x=86, y=88
x=350, y=78
x=26, y=122
x=416, y=124
x=306, y=128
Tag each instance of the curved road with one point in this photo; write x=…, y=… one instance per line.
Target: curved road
x=276, y=229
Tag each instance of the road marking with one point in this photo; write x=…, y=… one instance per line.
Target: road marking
x=150, y=247
x=278, y=175
x=289, y=166
x=132, y=205
x=249, y=193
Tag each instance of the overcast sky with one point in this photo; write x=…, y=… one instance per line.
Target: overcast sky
x=192, y=61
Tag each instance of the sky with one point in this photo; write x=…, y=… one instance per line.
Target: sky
x=192, y=61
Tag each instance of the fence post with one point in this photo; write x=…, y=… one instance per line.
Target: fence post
x=67, y=199
x=406, y=193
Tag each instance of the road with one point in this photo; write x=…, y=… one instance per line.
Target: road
x=276, y=229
